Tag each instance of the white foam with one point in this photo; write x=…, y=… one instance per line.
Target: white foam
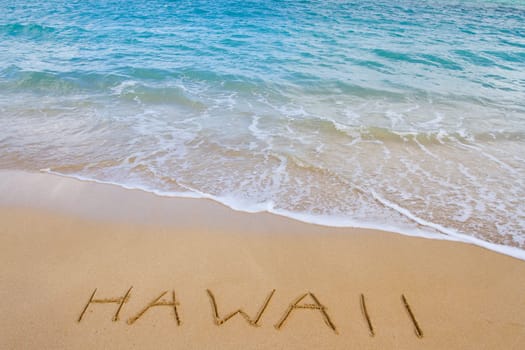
x=432, y=123
x=424, y=149
x=491, y=157
x=512, y=251
x=125, y=85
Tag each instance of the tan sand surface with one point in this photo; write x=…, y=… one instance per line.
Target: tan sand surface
x=60, y=239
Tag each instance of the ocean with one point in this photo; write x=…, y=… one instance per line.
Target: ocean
x=407, y=116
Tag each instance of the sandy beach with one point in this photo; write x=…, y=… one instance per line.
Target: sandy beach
x=92, y=266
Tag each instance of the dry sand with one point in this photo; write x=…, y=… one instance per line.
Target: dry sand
x=62, y=238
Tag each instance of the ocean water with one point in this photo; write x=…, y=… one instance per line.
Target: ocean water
x=402, y=115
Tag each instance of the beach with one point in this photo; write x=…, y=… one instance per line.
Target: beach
x=67, y=242
x=262, y=174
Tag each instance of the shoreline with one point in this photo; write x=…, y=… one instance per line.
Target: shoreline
x=66, y=242
x=442, y=233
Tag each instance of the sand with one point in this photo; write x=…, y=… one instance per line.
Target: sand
x=64, y=242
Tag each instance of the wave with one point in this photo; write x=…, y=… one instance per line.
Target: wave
x=31, y=31
x=15, y=79
x=424, y=59
x=406, y=137
x=162, y=83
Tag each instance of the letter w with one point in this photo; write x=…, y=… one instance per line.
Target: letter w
x=252, y=321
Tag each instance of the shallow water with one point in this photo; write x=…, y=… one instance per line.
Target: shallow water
x=405, y=115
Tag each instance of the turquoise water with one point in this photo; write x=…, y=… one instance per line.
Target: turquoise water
x=402, y=115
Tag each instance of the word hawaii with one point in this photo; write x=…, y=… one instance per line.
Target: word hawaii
x=297, y=304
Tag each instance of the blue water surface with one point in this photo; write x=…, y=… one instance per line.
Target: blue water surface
x=474, y=48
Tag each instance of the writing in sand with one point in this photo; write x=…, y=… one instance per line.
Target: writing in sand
x=305, y=302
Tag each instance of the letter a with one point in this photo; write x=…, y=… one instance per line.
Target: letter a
x=155, y=302
x=120, y=301
x=315, y=306
x=253, y=322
